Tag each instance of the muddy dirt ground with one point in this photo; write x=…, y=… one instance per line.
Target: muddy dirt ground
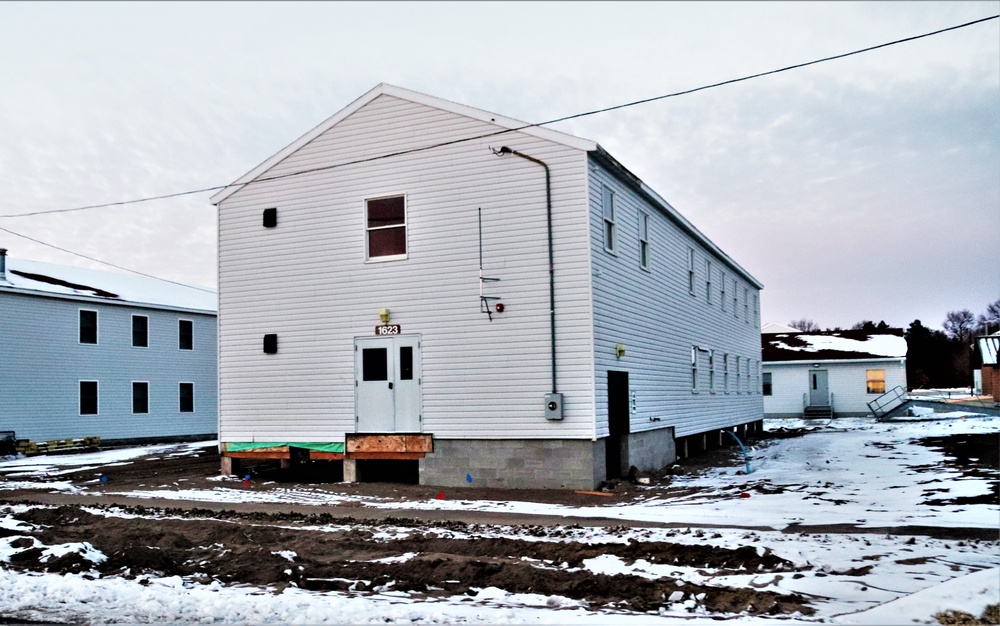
x=348, y=550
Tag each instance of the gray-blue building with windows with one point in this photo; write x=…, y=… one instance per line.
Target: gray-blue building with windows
x=86, y=353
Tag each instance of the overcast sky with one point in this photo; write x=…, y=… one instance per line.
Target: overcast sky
x=861, y=188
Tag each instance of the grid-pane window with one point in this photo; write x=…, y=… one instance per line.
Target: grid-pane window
x=644, y=241
x=610, y=231
x=88, y=326
x=711, y=371
x=739, y=378
x=386, y=227
x=767, y=383
x=140, y=331
x=875, y=381
x=185, y=334
x=746, y=305
x=736, y=300
x=725, y=373
x=186, y=397
x=88, y=397
x=140, y=397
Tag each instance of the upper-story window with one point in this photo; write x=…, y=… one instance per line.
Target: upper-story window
x=736, y=300
x=722, y=295
x=756, y=312
x=708, y=281
x=691, y=271
x=88, y=326
x=185, y=334
x=644, y=241
x=385, y=226
x=610, y=228
x=140, y=331
x=746, y=305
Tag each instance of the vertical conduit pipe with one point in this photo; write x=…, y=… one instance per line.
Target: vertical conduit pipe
x=552, y=272
x=746, y=458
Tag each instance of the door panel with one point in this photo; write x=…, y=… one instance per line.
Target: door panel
x=818, y=388
x=616, y=446
x=407, y=383
x=387, y=384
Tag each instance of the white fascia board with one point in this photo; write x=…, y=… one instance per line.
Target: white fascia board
x=887, y=359
x=20, y=291
x=505, y=123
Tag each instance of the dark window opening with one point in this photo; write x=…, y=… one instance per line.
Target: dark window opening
x=186, y=393
x=88, y=397
x=406, y=363
x=185, y=338
x=374, y=364
x=767, y=383
x=270, y=218
x=140, y=397
x=88, y=326
x=270, y=344
x=140, y=331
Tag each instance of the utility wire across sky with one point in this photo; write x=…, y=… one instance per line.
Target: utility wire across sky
x=458, y=141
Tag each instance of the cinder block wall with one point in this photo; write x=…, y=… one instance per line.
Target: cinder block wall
x=514, y=463
x=652, y=450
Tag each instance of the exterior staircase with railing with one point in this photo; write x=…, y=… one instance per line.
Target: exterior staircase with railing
x=817, y=411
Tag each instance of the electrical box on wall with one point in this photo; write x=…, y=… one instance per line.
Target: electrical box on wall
x=553, y=406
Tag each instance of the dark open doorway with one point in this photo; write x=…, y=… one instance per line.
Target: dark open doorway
x=616, y=452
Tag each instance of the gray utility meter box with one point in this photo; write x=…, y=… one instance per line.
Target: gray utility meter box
x=553, y=406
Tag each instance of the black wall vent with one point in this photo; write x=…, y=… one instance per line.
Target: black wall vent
x=270, y=344
x=270, y=218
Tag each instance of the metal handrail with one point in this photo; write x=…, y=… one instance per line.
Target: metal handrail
x=894, y=397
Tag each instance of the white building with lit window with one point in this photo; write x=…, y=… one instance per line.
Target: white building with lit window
x=494, y=303
x=98, y=354
x=830, y=373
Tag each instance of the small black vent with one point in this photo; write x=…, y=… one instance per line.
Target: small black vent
x=270, y=344
x=270, y=218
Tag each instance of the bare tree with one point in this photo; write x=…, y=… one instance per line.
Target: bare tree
x=989, y=322
x=960, y=324
x=806, y=326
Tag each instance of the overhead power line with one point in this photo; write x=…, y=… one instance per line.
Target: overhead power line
x=506, y=130
x=38, y=241
x=449, y=143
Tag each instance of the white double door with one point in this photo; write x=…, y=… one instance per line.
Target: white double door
x=387, y=384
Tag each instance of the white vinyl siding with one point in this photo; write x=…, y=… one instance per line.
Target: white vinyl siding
x=846, y=380
x=655, y=316
x=321, y=293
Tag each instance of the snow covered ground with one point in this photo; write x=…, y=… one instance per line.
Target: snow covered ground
x=846, y=471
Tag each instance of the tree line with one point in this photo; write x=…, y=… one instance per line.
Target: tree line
x=936, y=358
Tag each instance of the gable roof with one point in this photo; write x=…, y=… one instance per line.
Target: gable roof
x=504, y=124
x=833, y=345
x=77, y=283
x=775, y=327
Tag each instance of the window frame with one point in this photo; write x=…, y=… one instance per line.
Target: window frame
x=644, y=247
x=746, y=304
x=145, y=331
x=691, y=272
x=180, y=397
x=767, y=385
x=711, y=371
x=694, y=370
x=722, y=294
x=145, y=383
x=869, y=380
x=97, y=327
x=405, y=226
x=180, y=334
x=739, y=375
x=725, y=372
x=736, y=299
x=708, y=281
x=97, y=397
x=609, y=219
